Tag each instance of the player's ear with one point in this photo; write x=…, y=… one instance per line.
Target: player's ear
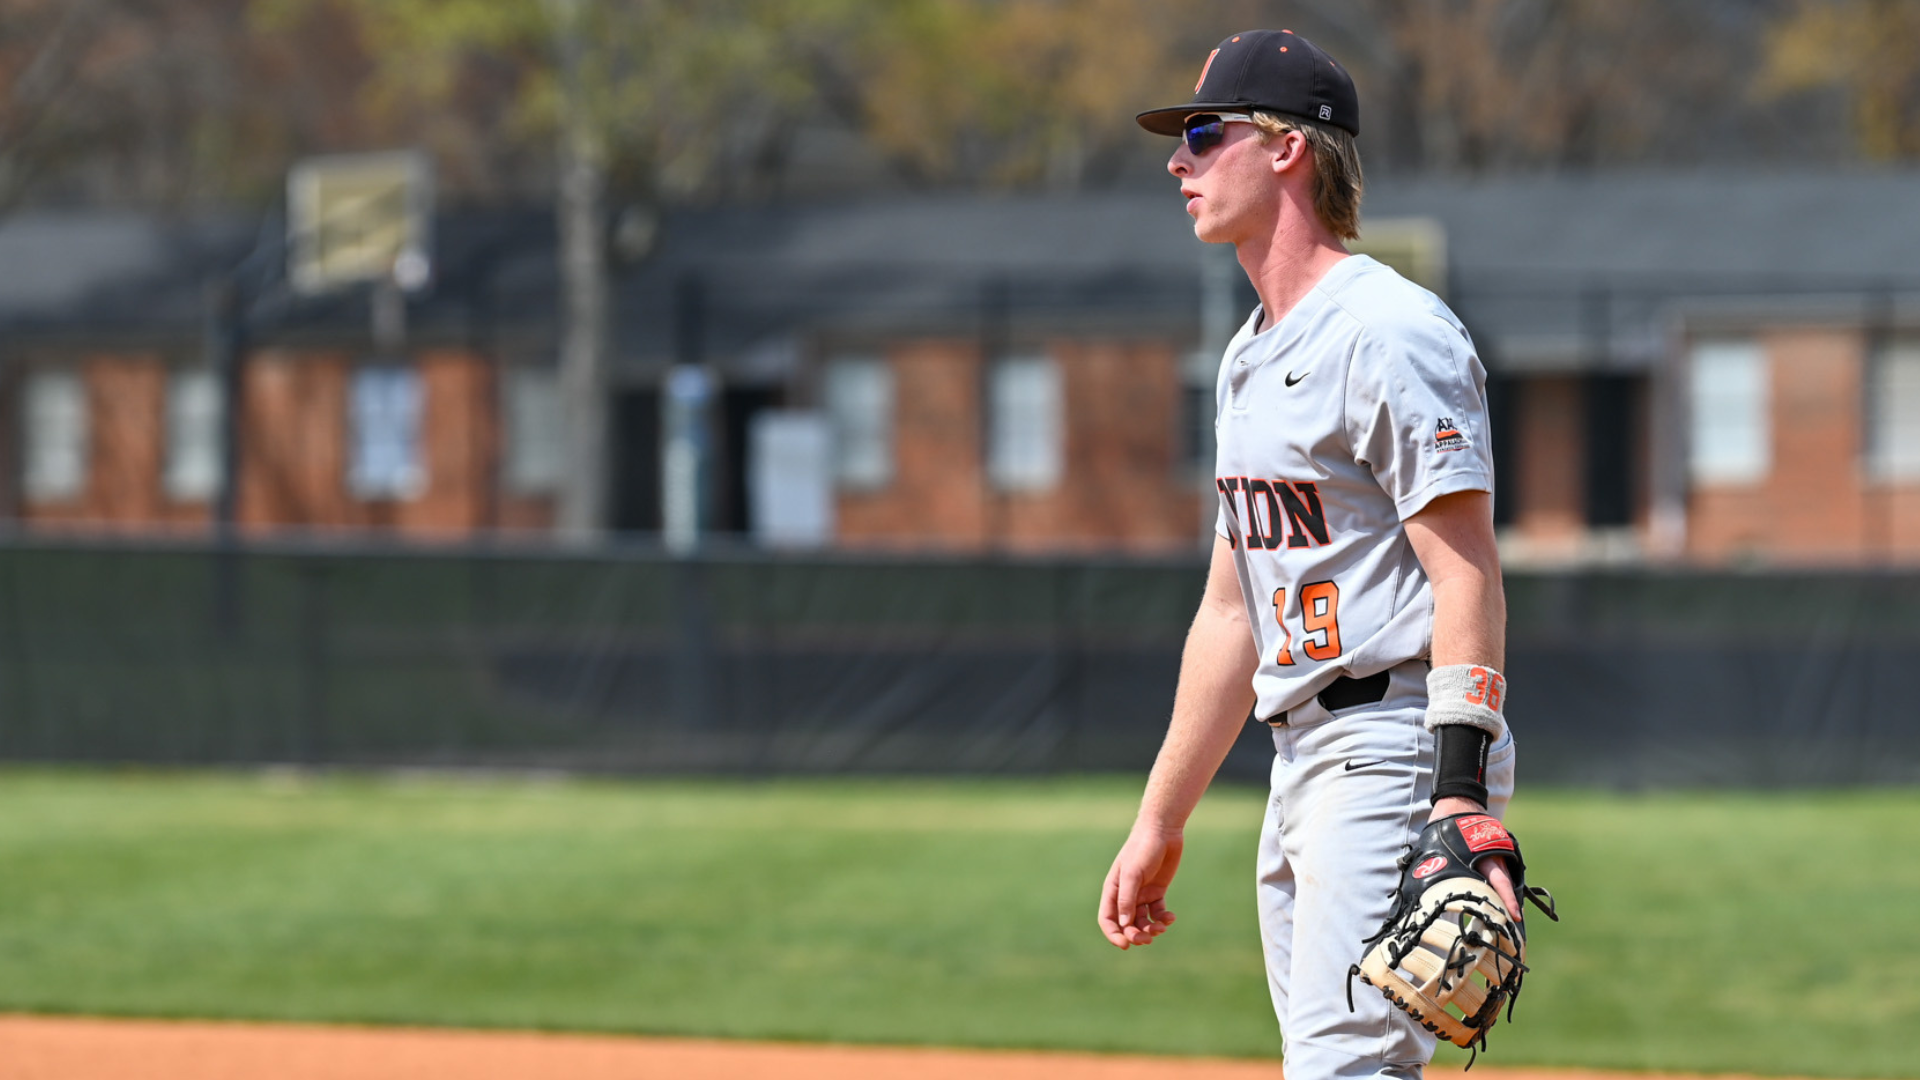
x=1287, y=150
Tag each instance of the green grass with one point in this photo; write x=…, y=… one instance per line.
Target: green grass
x=1766, y=934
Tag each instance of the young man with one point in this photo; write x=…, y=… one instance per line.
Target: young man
x=1355, y=562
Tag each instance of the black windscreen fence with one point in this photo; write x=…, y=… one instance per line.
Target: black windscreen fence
x=637, y=662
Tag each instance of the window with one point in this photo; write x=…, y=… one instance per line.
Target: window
x=790, y=478
x=535, y=450
x=195, y=416
x=55, y=435
x=859, y=401
x=384, y=427
x=1893, y=420
x=1024, y=449
x=1730, y=401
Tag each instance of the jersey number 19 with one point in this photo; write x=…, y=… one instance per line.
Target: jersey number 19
x=1320, y=615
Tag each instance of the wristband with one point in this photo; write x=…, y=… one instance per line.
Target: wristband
x=1464, y=703
x=1467, y=694
x=1460, y=762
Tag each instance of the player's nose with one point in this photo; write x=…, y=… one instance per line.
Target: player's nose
x=1181, y=163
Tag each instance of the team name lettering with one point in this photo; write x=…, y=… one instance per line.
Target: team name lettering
x=1271, y=513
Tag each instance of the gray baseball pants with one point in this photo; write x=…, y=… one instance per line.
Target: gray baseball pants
x=1350, y=792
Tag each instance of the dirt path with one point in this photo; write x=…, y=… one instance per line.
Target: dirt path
x=37, y=1048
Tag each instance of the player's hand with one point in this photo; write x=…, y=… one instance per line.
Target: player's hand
x=1133, y=902
x=1493, y=866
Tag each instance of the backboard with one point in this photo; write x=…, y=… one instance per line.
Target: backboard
x=359, y=217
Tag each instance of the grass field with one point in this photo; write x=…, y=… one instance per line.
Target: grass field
x=1770, y=934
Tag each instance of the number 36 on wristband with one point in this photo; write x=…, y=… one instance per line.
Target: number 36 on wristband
x=1489, y=688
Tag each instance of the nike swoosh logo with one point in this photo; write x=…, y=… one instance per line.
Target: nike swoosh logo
x=1352, y=765
x=1292, y=378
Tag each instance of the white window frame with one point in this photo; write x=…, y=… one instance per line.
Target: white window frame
x=858, y=396
x=1730, y=403
x=390, y=462
x=56, y=435
x=196, y=417
x=533, y=430
x=1026, y=423
x=1893, y=412
x=790, y=478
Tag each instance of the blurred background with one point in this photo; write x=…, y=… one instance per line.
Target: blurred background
x=854, y=276
x=821, y=384
x=742, y=390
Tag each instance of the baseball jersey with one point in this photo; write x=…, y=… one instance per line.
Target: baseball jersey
x=1359, y=407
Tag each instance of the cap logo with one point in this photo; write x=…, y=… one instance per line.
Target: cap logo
x=1203, y=70
x=1326, y=111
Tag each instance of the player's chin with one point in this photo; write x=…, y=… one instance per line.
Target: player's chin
x=1207, y=229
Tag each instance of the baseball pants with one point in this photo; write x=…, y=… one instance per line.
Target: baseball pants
x=1350, y=792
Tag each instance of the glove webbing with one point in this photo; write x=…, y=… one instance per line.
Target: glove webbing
x=1408, y=937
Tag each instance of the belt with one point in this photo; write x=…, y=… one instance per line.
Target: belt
x=1346, y=691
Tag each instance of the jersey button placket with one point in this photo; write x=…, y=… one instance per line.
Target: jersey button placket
x=1237, y=379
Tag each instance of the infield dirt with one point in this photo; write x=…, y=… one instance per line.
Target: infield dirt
x=47, y=1048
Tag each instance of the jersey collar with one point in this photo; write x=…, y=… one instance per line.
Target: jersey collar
x=1322, y=292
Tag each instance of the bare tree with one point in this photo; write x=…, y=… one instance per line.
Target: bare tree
x=48, y=110
x=166, y=103
x=1866, y=50
x=1470, y=86
x=583, y=266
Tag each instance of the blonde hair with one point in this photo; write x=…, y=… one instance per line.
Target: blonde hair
x=1337, y=183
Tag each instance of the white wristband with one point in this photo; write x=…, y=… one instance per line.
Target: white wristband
x=1467, y=694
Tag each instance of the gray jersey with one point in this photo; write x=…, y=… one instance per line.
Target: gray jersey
x=1362, y=405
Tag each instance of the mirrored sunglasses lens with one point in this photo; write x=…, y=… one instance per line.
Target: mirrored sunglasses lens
x=1204, y=133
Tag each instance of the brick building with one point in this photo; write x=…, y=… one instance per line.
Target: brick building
x=1684, y=367
x=1703, y=367
x=115, y=415
x=1019, y=398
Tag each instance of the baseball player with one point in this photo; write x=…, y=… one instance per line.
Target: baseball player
x=1354, y=601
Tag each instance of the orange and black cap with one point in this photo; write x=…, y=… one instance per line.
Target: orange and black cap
x=1276, y=70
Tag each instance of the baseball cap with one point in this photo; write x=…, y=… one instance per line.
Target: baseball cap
x=1277, y=70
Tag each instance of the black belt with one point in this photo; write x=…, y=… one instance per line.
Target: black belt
x=1346, y=691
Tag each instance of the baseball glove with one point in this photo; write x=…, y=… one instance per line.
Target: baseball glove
x=1449, y=954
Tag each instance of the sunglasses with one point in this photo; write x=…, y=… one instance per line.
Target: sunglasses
x=1203, y=131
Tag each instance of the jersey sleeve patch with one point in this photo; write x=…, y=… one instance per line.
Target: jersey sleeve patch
x=1448, y=437
x=1416, y=410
